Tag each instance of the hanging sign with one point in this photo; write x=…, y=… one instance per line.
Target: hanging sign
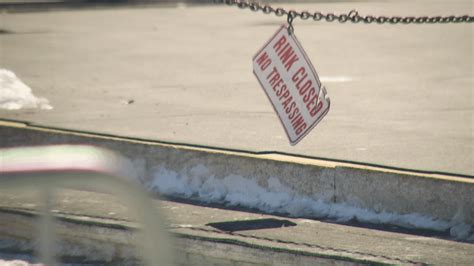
x=291, y=84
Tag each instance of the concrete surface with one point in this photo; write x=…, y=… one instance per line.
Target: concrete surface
x=375, y=189
x=406, y=102
x=89, y=221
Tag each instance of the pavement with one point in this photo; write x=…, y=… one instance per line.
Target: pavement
x=142, y=80
x=205, y=235
x=401, y=94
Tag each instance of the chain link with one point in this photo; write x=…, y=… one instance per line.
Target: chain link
x=353, y=16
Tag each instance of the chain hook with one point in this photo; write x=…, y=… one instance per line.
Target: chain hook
x=289, y=19
x=353, y=13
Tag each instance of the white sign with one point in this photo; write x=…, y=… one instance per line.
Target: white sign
x=291, y=84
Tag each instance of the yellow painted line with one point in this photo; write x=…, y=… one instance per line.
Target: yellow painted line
x=273, y=157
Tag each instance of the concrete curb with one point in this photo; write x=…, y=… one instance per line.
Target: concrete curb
x=372, y=188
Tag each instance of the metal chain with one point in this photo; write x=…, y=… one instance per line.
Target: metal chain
x=353, y=16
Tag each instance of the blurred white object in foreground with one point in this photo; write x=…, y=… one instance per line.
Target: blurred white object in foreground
x=83, y=167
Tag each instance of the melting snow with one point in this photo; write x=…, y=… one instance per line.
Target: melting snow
x=234, y=190
x=16, y=263
x=14, y=94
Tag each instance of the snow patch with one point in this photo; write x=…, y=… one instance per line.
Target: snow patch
x=16, y=263
x=234, y=190
x=15, y=95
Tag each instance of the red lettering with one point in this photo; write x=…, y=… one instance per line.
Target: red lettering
x=296, y=111
x=277, y=46
x=275, y=78
x=290, y=108
x=285, y=95
x=317, y=109
x=301, y=128
x=264, y=61
x=298, y=85
x=274, y=71
x=311, y=103
x=301, y=70
x=305, y=87
x=291, y=61
x=310, y=94
x=282, y=88
x=277, y=84
x=288, y=56
x=287, y=101
x=284, y=50
x=297, y=121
